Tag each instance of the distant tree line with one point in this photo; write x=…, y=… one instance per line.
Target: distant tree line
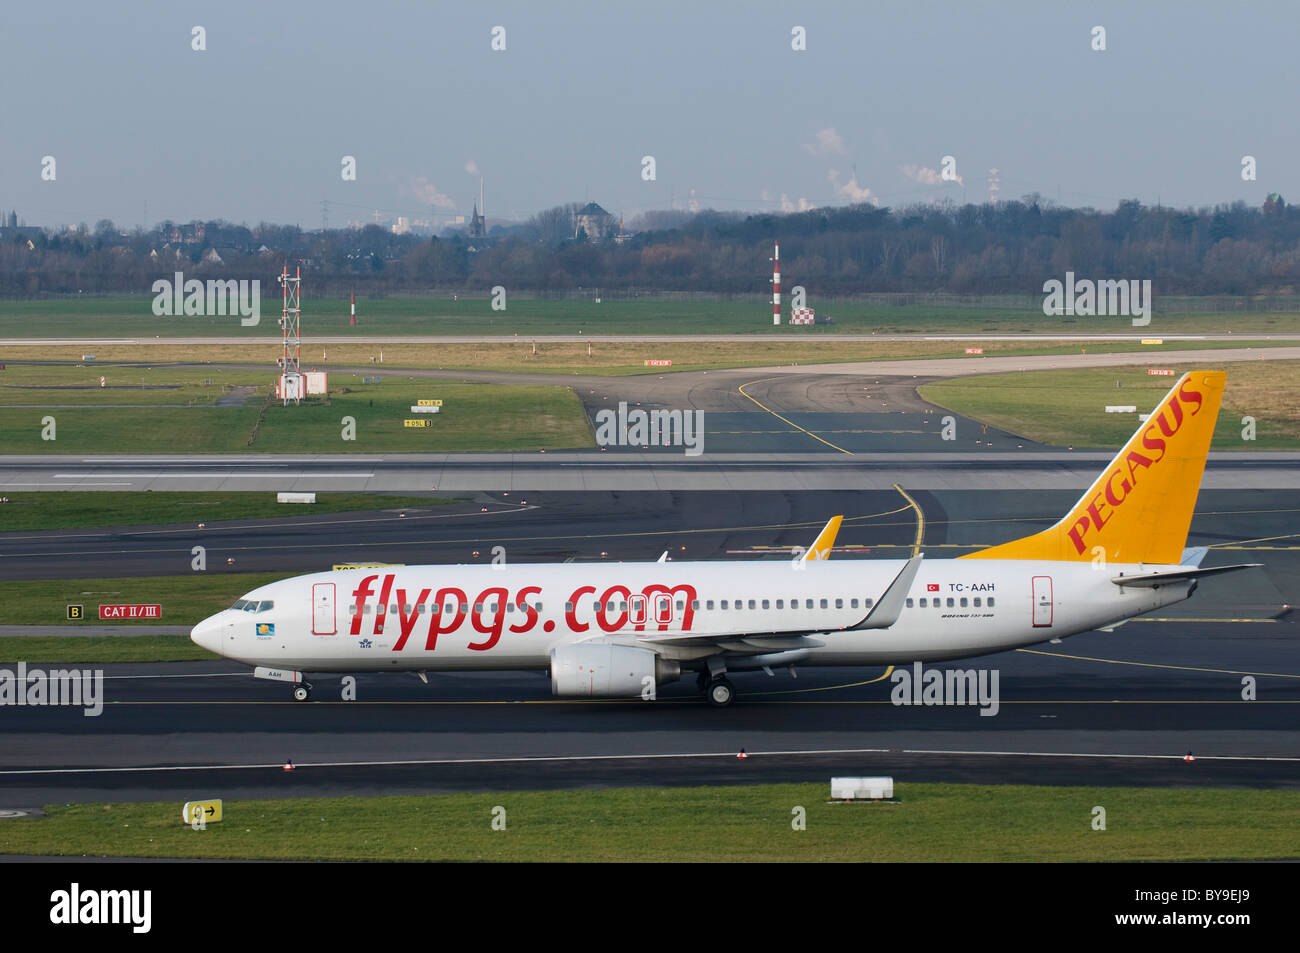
x=1009, y=247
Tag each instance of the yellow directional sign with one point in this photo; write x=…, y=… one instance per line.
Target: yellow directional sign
x=202, y=812
x=428, y=403
x=76, y=612
x=338, y=566
x=1153, y=340
x=417, y=422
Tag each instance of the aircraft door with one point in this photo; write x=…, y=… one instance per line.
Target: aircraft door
x=663, y=608
x=1042, y=586
x=636, y=607
x=322, y=609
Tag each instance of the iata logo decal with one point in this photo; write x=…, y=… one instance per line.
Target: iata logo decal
x=617, y=608
x=1120, y=482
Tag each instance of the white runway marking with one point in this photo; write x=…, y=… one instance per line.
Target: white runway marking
x=623, y=757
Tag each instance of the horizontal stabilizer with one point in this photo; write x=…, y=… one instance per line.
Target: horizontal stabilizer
x=1149, y=580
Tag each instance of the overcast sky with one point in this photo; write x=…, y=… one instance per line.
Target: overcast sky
x=144, y=128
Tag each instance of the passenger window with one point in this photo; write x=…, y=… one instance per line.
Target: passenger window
x=724, y=603
x=909, y=603
x=950, y=602
x=695, y=604
x=807, y=603
x=977, y=602
x=963, y=602
x=680, y=605
x=780, y=603
x=709, y=605
x=622, y=607
x=839, y=603
x=824, y=604
x=510, y=607
x=866, y=603
x=352, y=609
x=990, y=602
x=478, y=607
x=924, y=604
x=421, y=608
x=751, y=603
x=765, y=604
x=853, y=604
x=568, y=607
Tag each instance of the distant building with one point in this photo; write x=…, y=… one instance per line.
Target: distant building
x=477, y=225
x=595, y=223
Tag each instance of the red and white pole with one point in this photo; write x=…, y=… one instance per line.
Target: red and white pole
x=352, y=321
x=776, y=283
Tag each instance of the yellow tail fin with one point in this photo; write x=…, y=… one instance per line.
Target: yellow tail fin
x=1140, y=508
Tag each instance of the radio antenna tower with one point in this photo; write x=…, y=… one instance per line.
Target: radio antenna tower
x=993, y=186
x=291, y=381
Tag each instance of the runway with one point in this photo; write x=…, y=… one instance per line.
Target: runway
x=1117, y=708
x=638, y=525
x=662, y=470
x=1098, y=709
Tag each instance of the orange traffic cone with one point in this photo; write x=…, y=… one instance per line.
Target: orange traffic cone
x=1188, y=757
x=742, y=754
x=288, y=766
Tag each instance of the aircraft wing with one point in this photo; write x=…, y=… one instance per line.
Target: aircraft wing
x=882, y=615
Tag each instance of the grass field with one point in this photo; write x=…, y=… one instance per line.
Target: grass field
x=132, y=316
x=174, y=410
x=184, y=599
x=100, y=649
x=930, y=823
x=1046, y=405
x=85, y=509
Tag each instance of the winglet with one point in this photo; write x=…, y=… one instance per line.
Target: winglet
x=887, y=610
x=822, y=545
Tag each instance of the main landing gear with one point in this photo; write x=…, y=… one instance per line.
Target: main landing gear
x=715, y=688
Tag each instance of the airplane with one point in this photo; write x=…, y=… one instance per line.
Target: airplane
x=621, y=630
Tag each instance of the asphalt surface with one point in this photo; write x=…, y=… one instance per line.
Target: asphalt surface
x=1099, y=709
x=629, y=525
x=1117, y=708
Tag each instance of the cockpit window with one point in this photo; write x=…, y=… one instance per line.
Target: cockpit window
x=239, y=604
x=266, y=605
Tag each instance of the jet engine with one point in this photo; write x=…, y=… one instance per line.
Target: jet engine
x=595, y=669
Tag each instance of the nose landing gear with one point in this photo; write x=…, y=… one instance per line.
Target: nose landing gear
x=301, y=692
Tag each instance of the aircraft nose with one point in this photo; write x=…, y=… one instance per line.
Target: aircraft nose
x=207, y=634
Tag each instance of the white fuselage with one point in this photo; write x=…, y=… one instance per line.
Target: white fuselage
x=430, y=618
